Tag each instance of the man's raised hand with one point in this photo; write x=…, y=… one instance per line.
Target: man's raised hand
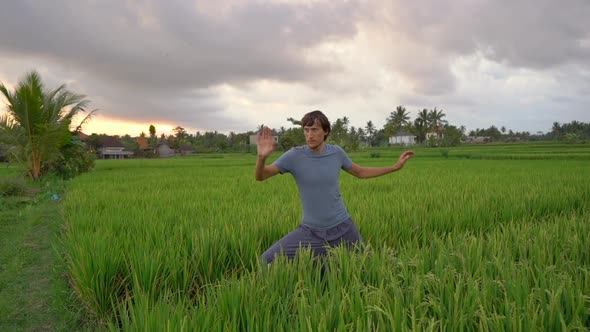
x=266, y=143
x=403, y=158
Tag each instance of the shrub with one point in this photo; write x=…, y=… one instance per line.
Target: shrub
x=15, y=186
x=74, y=159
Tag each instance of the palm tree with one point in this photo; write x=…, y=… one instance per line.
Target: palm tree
x=339, y=131
x=420, y=127
x=401, y=117
x=37, y=123
x=345, y=121
x=421, y=124
x=436, y=117
x=556, y=130
x=295, y=122
x=462, y=130
x=370, y=130
x=397, y=120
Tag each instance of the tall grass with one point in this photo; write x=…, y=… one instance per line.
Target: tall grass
x=454, y=244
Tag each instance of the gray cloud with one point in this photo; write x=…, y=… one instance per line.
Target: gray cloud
x=181, y=47
x=145, y=54
x=425, y=37
x=160, y=61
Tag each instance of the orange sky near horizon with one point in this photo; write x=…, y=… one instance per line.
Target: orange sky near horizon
x=104, y=125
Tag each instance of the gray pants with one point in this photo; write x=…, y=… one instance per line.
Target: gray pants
x=318, y=239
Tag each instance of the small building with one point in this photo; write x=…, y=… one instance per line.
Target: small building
x=186, y=150
x=144, y=146
x=144, y=149
x=403, y=138
x=163, y=150
x=436, y=133
x=112, y=148
x=478, y=139
x=142, y=143
x=254, y=138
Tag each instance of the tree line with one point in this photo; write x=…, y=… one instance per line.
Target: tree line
x=37, y=132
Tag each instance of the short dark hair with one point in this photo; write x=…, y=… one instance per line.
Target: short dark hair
x=310, y=119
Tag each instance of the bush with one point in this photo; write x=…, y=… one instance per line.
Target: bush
x=74, y=159
x=375, y=155
x=444, y=153
x=16, y=186
x=3, y=158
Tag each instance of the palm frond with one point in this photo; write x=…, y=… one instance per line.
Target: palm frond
x=87, y=118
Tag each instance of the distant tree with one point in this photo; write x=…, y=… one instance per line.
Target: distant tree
x=360, y=133
x=381, y=139
x=452, y=136
x=493, y=133
x=353, y=139
x=180, y=133
x=556, y=130
x=574, y=131
x=152, y=131
x=294, y=122
x=172, y=142
x=339, y=131
x=370, y=130
x=462, y=129
x=142, y=135
x=397, y=121
x=231, y=139
x=435, y=117
x=421, y=125
x=293, y=136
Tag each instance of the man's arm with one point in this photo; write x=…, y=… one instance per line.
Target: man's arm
x=265, y=147
x=371, y=172
x=264, y=172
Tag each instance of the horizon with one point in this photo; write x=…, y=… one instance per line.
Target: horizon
x=170, y=132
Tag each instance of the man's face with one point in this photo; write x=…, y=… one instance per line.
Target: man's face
x=314, y=135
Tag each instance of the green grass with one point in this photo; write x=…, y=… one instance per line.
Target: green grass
x=34, y=294
x=472, y=244
x=499, y=151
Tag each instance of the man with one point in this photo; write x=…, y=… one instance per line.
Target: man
x=316, y=169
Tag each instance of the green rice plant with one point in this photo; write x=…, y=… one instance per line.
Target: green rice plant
x=453, y=244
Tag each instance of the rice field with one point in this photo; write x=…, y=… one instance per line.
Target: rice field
x=459, y=243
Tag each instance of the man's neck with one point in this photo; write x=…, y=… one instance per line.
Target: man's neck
x=320, y=148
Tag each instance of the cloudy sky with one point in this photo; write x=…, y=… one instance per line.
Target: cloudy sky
x=230, y=65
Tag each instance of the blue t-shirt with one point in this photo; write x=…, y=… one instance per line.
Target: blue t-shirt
x=317, y=176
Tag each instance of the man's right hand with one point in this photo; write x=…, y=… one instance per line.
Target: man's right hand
x=266, y=143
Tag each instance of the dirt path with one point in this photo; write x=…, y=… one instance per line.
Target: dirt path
x=33, y=293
